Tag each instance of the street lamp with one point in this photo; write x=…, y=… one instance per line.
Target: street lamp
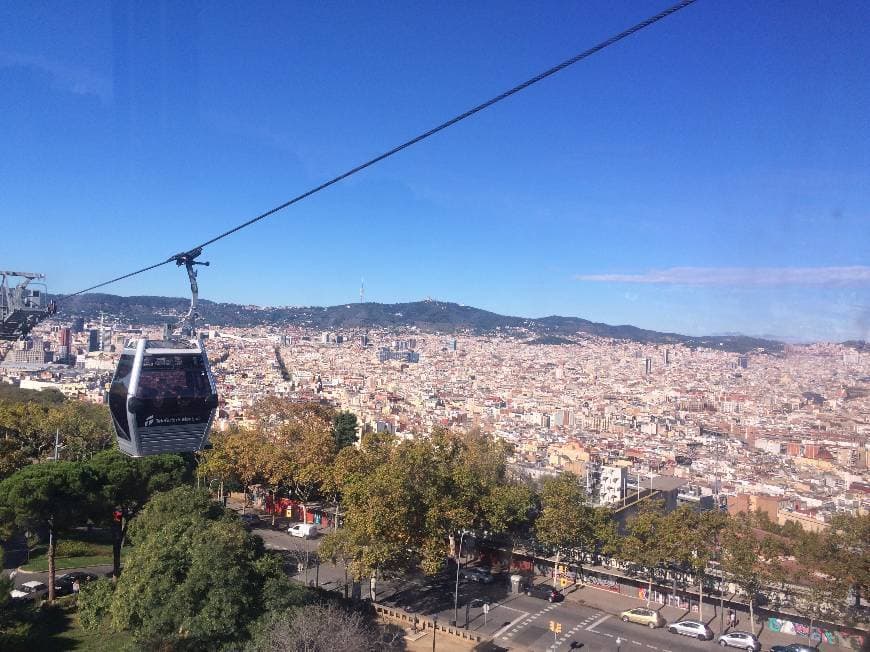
x=456, y=590
x=434, y=629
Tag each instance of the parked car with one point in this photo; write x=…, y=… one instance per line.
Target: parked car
x=545, y=592
x=63, y=584
x=743, y=640
x=793, y=647
x=692, y=628
x=476, y=575
x=641, y=616
x=29, y=591
x=303, y=530
x=635, y=570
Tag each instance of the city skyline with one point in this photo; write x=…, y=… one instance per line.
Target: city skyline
x=715, y=193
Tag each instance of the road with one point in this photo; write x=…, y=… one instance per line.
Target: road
x=514, y=621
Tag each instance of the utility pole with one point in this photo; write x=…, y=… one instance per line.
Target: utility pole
x=434, y=629
x=456, y=590
x=57, y=445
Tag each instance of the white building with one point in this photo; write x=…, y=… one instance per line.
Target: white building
x=612, y=488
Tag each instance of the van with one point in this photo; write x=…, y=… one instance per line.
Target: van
x=303, y=530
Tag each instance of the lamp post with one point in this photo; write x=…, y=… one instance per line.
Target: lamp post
x=456, y=590
x=434, y=629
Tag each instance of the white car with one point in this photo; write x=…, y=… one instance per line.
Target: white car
x=28, y=591
x=303, y=530
x=692, y=628
x=742, y=640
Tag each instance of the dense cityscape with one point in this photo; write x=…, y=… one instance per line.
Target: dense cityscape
x=785, y=432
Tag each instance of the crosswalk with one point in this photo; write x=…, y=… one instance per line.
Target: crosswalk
x=509, y=631
x=591, y=623
x=584, y=624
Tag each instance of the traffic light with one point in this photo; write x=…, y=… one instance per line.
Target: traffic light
x=555, y=627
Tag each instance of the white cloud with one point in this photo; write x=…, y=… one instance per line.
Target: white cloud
x=64, y=76
x=758, y=276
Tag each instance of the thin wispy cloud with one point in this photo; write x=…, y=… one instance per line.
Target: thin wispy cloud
x=64, y=76
x=856, y=275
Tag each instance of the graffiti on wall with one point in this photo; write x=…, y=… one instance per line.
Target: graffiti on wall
x=848, y=638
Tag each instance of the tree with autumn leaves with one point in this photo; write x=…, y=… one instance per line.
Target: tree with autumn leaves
x=406, y=503
x=288, y=447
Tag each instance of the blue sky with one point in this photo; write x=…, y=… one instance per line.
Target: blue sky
x=707, y=175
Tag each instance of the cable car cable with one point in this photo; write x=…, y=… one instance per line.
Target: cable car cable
x=413, y=141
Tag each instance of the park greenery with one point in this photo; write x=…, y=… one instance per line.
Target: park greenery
x=193, y=578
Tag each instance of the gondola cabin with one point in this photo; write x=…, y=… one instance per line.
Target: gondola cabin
x=163, y=397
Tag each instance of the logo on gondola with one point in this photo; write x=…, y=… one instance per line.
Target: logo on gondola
x=152, y=420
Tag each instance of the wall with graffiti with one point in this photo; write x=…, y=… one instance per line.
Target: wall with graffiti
x=848, y=638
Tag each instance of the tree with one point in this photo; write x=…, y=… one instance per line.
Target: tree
x=344, y=427
x=217, y=461
x=566, y=522
x=750, y=558
x=508, y=508
x=235, y=454
x=12, y=457
x=54, y=496
x=195, y=579
x=125, y=485
x=305, y=430
x=689, y=541
x=406, y=503
x=84, y=428
x=318, y=627
x=645, y=543
x=848, y=561
x=28, y=427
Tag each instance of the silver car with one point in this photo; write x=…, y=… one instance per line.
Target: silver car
x=692, y=628
x=742, y=640
x=476, y=575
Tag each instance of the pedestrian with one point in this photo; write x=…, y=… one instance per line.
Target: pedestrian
x=76, y=587
x=732, y=619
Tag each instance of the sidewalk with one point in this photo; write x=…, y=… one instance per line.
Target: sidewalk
x=615, y=603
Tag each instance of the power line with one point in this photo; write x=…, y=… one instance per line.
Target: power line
x=423, y=136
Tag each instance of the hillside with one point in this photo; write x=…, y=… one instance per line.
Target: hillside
x=439, y=316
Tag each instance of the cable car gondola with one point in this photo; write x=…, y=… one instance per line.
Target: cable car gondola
x=163, y=396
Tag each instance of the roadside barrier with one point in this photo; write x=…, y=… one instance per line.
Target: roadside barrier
x=402, y=616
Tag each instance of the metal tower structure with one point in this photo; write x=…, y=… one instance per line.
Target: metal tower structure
x=22, y=307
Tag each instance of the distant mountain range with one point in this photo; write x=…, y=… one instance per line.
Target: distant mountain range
x=431, y=316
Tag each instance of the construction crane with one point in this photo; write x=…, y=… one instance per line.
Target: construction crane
x=22, y=307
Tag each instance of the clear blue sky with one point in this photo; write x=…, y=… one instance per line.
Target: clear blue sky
x=711, y=174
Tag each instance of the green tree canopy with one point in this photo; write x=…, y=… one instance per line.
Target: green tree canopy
x=344, y=427
x=125, y=484
x=195, y=579
x=54, y=496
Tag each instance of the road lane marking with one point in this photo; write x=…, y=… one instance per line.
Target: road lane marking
x=598, y=622
x=637, y=642
x=504, y=606
x=515, y=623
x=651, y=647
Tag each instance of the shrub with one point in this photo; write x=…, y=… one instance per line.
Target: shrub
x=72, y=548
x=94, y=600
